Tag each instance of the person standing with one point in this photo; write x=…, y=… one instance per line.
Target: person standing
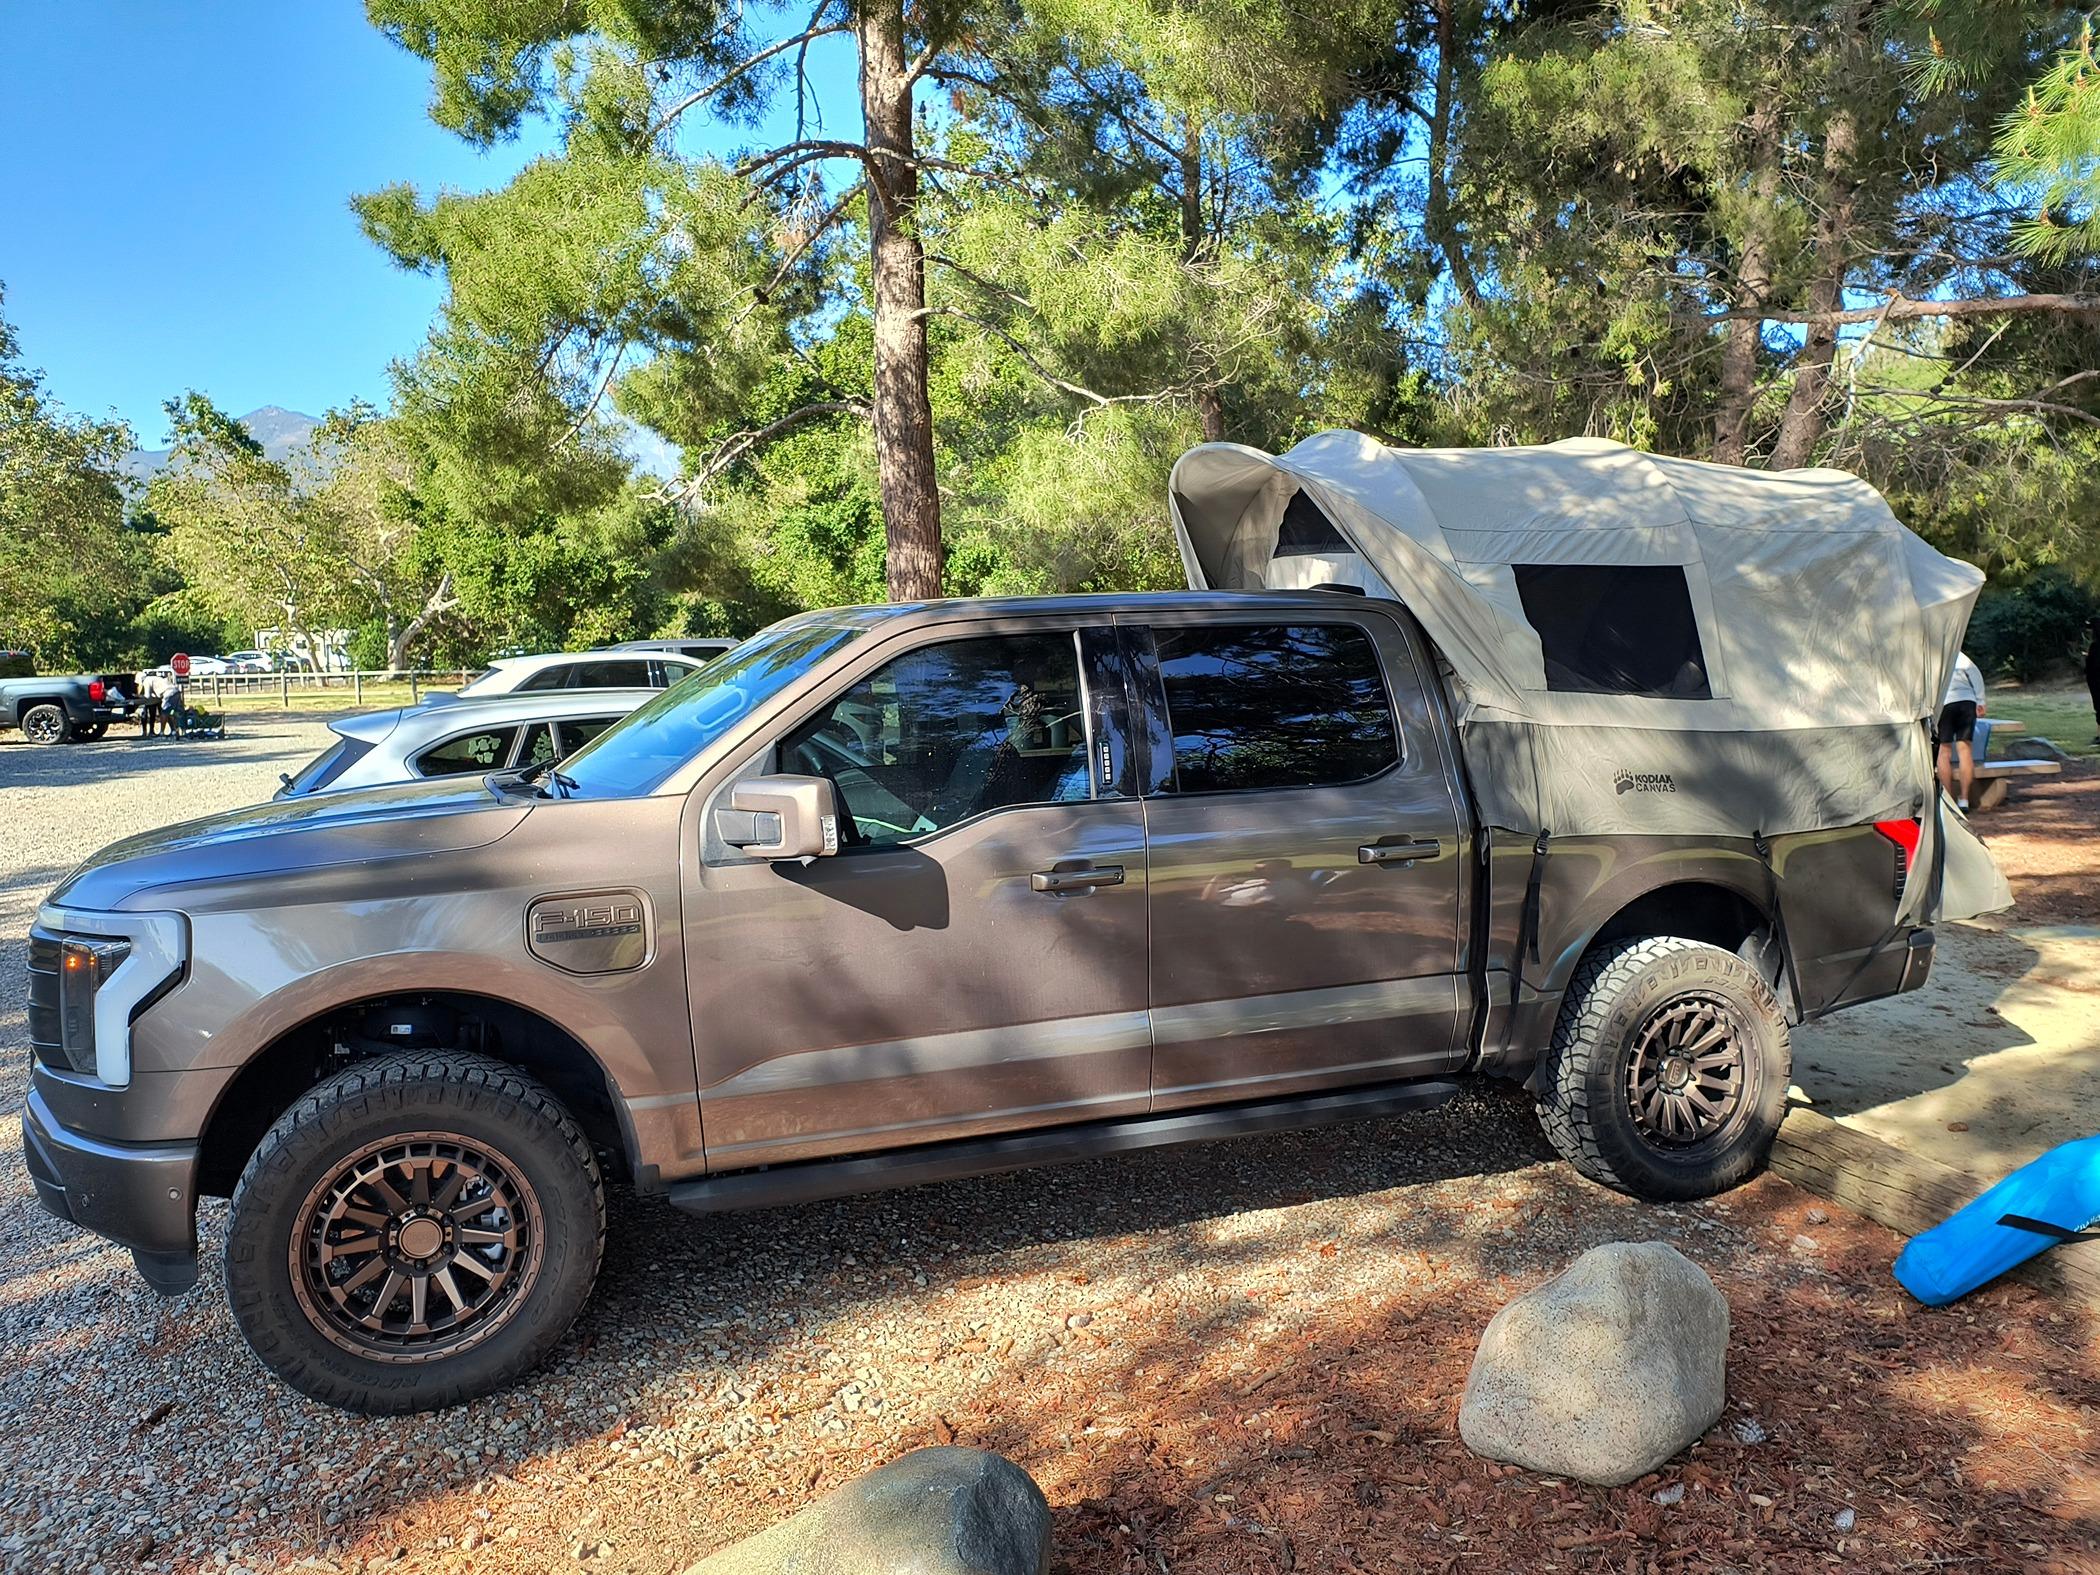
x=1957, y=729
x=2092, y=674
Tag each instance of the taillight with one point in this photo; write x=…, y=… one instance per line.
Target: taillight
x=96, y=691
x=1904, y=834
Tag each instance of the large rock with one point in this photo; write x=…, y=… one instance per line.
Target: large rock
x=932, y=1512
x=1605, y=1372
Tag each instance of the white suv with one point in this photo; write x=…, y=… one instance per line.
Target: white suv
x=582, y=670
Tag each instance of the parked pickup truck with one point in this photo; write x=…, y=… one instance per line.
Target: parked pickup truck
x=887, y=895
x=67, y=710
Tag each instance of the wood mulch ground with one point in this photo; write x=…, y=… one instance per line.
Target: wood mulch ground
x=2047, y=840
x=1960, y=1438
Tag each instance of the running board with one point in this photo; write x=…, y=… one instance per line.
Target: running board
x=812, y=1180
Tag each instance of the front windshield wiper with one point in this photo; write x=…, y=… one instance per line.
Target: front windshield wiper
x=563, y=782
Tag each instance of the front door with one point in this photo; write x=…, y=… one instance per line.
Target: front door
x=973, y=958
x=1306, y=862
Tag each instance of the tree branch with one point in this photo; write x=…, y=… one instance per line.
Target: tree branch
x=669, y=117
x=800, y=249
x=1903, y=308
x=735, y=448
x=1077, y=390
x=768, y=167
x=612, y=367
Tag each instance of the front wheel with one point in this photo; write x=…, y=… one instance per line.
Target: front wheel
x=1668, y=1070
x=418, y=1230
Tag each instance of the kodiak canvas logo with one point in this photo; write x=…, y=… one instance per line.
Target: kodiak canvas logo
x=1644, y=782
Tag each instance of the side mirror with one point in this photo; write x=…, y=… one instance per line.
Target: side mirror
x=781, y=817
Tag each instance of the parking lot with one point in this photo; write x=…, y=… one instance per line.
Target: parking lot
x=1244, y=1356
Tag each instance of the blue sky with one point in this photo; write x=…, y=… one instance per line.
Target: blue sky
x=174, y=211
x=174, y=200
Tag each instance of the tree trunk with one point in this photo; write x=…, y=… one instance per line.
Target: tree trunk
x=400, y=641
x=911, y=505
x=1436, y=210
x=1805, y=420
x=1210, y=403
x=1744, y=336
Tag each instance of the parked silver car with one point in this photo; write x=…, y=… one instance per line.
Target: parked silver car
x=446, y=736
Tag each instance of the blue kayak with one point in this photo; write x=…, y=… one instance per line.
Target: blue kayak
x=2051, y=1201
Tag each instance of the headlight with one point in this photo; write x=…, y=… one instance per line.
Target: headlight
x=110, y=967
x=84, y=966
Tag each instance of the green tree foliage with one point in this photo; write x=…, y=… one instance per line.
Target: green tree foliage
x=2028, y=626
x=2048, y=147
x=2051, y=144
x=72, y=575
x=258, y=545
x=1682, y=216
x=951, y=335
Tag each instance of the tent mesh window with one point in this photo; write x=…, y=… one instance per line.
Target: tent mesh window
x=1305, y=530
x=1615, y=629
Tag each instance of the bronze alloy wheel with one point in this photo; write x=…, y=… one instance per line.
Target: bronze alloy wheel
x=417, y=1247
x=1689, y=1079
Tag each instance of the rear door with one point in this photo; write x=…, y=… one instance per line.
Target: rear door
x=1305, y=855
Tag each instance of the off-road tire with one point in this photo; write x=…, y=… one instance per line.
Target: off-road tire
x=47, y=723
x=382, y=1103
x=1585, y=1083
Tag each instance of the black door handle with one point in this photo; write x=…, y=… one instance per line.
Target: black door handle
x=1399, y=852
x=1077, y=879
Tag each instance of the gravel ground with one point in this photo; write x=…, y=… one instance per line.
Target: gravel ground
x=1244, y=1356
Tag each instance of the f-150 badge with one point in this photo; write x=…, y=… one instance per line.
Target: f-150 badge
x=594, y=932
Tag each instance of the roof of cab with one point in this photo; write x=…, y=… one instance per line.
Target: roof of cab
x=1092, y=604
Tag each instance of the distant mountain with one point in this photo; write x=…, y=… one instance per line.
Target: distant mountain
x=281, y=432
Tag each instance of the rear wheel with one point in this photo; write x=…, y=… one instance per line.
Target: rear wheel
x=46, y=724
x=1668, y=1070
x=418, y=1230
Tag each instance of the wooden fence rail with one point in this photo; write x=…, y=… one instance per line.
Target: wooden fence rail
x=220, y=686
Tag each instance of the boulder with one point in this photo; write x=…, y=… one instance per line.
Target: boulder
x=1604, y=1372
x=946, y=1511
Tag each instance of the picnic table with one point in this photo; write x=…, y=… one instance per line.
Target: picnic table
x=1995, y=777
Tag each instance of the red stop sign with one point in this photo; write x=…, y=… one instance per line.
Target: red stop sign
x=181, y=663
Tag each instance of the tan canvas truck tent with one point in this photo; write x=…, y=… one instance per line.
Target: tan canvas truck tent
x=1636, y=644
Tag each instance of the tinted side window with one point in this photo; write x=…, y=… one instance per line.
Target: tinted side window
x=949, y=731
x=331, y=763
x=632, y=674
x=1615, y=629
x=548, y=678
x=539, y=745
x=483, y=751
x=574, y=735
x=1274, y=706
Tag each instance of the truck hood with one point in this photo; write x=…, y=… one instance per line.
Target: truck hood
x=398, y=821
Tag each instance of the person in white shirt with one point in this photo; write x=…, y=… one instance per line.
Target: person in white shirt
x=1957, y=729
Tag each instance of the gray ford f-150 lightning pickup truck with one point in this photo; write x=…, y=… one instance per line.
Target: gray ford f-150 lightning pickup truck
x=883, y=896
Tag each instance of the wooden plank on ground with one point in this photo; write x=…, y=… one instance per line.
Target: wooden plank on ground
x=1908, y=1193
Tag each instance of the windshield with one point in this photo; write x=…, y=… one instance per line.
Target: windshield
x=636, y=754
